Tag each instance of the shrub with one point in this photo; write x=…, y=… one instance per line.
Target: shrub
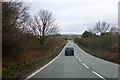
x=104, y=46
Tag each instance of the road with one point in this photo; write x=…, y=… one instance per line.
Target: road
x=81, y=65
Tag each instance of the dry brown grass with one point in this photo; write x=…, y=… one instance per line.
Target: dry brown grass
x=105, y=47
x=13, y=66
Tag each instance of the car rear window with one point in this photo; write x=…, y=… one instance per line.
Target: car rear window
x=69, y=48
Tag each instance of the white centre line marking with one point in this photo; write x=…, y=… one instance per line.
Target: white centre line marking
x=85, y=65
x=79, y=60
x=76, y=57
x=98, y=75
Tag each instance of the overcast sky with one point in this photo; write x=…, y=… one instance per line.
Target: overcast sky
x=76, y=16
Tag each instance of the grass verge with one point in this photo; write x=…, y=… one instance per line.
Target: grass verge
x=18, y=70
x=100, y=53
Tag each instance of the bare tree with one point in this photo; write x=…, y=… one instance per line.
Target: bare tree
x=13, y=15
x=114, y=29
x=45, y=24
x=100, y=27
x=29, y=27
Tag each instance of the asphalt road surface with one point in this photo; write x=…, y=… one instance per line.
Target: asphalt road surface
x=81, y=65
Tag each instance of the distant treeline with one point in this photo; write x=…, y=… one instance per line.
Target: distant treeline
x=103, y=45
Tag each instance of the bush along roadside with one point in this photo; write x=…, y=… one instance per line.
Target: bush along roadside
x=29, y=61
x=104, y=46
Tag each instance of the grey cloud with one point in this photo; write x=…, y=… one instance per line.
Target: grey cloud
x=74, y=13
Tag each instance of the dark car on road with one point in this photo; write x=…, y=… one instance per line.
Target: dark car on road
x=69, y=51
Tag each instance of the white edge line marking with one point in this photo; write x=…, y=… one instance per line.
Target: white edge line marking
x=98, y=75
x=85, y=65
x=44, y=66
